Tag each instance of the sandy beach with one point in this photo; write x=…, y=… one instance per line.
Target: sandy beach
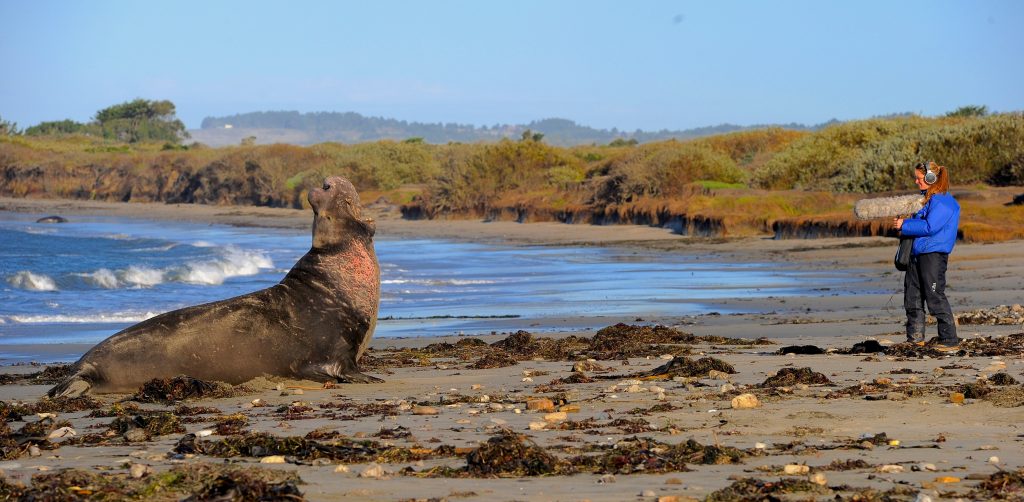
x=567, y=416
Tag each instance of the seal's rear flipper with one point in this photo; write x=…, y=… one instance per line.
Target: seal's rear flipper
x=75, y=385
x=358, y=377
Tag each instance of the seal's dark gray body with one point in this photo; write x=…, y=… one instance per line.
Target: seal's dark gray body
x=314, y=324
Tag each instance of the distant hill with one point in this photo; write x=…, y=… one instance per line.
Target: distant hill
x=350, y=127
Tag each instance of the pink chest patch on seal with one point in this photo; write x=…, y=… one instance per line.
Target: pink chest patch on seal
x=362, y=278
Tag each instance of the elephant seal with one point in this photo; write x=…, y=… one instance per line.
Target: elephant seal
x=52, y=219
x=314, y=324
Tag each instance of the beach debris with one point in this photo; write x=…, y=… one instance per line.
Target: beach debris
x=540, y=404
x=865, y=347
x=890, y=469
x=796, y=469
x=558, y=416
x=61, y=433
x=1002, y=315
x=228, y=425
x=189, y=481
x=956, y=397
x=686, y=367
x=373, y=471
x=788, y=377
x=588, y=365
x=745, y=401
x=179, y=388
x=494, y=360
x=138, y=471
x=509, y=453
x=756, y=489
x=424, y=410
x=1009, y=397
x=1002, y=379
x=800, y=350
x=146, y=426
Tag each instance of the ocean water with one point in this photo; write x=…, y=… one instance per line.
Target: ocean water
x=67, y=286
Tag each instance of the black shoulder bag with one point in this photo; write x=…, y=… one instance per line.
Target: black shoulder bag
x=902, y=259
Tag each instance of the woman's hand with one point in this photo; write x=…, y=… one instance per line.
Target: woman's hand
x=897, y=223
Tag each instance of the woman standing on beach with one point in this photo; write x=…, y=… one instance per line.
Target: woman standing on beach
x=934, y=228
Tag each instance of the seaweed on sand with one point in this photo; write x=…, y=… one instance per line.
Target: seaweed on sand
x=786, y=377
x=342, y=450
x=650, y=456
x=511, y=454
x=179, y=388
x=1010, y=397
x=16, y=444
x=494, y=360
x=152, y=424
x=753, y=489
x=686, y=367
x=201, y=481
x=1002, y=485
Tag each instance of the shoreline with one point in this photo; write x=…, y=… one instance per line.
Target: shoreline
x=432, y=399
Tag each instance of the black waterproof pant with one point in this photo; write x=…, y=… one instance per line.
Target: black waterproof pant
x=925, y=284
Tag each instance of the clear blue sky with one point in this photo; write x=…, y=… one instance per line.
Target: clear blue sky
x=647, y=64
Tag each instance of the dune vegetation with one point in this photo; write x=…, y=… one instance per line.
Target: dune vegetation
x=767, y=181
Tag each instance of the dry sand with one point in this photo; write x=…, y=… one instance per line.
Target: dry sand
x=943, y=450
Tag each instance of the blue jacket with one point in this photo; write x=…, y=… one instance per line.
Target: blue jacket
x=935, y=225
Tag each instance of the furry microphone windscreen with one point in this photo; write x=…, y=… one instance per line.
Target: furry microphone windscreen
x=888, y=207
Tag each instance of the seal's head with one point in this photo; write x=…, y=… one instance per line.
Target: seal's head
x=337, y=215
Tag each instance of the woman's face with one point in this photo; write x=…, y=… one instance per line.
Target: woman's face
x=919, y=180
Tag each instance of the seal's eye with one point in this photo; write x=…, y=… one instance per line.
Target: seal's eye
x=327, y=186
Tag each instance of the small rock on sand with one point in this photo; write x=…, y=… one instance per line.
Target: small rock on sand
x=794, y=469
x=542, y=404
x=558, y=416
x=373, y=471
x=424, y=410
x=745, y=401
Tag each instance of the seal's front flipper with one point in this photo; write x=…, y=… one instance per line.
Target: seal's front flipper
x=78, y=384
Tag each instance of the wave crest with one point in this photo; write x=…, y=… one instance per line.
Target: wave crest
x=32, y=282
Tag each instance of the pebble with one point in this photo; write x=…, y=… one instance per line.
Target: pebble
x=569, y=408
x=135, y=435
x=485, y=398
x=541, y=404
x=476, y=386
x=537, y=426
x=648, y=493
x=342, y=468
x=819, y=479
x=745, y=401
x=203, y=433
x=635, y=388
x=424, y=410
x=727, y=387
x=256, y=402
x=938, y=371
x=667, y=357
x=890, y=468
x=883, y=381
x=496, y=407
x=139, y=470
x=993, y=459
x=527, y=379
x=46, y=415
x=657, y=390
x=793, y=469
x=956, y=397
x=928, y=467
x=516, y=411
x=607, y=478
x=760, y=446
x=374, y=471
x=404, y=407
x=557, y=416
x=718, y=375
x=33, y=451
x=61, y=432
x=923, y=497
x=273, y=459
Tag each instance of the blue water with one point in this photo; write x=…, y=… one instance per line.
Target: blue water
x=72, y=285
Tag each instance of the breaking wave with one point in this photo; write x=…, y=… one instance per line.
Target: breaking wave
x=32, y=281
x=232, y=262
x=114, y=317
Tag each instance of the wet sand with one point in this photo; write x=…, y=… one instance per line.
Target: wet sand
x=945, y=447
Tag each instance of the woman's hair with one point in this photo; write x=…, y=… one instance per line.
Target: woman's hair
x=941, y=184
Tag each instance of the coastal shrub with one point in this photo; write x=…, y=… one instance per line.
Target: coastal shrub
x=877, y=155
